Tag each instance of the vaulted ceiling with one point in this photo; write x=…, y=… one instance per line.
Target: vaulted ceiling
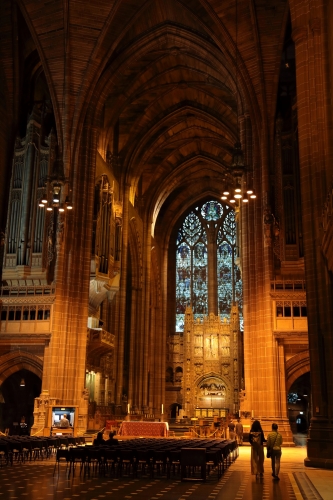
x=165, y=82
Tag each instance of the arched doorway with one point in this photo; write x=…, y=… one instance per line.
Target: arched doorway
x=299, y=406
x=174, y=410
x=18, y=393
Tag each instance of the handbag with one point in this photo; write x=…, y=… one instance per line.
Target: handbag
x=269, y=450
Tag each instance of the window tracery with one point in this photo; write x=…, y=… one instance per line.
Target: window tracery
x=194, y=237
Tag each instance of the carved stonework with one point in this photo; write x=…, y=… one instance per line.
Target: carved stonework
x=211, y=366
x=268, y=222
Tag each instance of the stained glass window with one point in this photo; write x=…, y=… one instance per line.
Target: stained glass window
x=191, y=265
x=212, y=210
x=192, y=262
x=229, y=281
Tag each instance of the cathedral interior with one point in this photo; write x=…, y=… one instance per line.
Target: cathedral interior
x=165, y=213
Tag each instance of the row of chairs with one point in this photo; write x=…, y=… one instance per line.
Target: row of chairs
x=141, y=456
x=22, y=448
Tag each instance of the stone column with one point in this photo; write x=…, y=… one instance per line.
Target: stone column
x=64, y=373
x=314, y=108
x=146, y=312
x=260, y=351
x=122, y=298
x=132, y=351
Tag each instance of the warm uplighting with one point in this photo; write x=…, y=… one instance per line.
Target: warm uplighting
x=22, y=383
x=68, y=204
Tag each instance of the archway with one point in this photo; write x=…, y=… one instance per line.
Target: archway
x=174, y=410
x=299, y=407
x=18, y=393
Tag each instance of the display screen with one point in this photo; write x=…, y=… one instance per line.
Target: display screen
x=63, y=417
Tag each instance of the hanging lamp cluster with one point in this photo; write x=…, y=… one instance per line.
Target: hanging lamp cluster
x=52, y=197
x=54, y=193
x=235, y=189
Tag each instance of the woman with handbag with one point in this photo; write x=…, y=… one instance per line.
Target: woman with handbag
x=274, y=442
x=257, y=440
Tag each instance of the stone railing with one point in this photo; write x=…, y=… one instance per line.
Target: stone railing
x=98, y=335
x=27, y=290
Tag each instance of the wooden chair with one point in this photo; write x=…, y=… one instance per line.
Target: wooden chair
x=62, y=455
x=191, y=459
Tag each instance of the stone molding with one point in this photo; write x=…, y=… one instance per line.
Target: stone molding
x=33, y=300
x=283, y=295
x=299, y=34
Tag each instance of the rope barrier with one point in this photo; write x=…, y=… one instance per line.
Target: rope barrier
x=199, y=435
x=39, y=430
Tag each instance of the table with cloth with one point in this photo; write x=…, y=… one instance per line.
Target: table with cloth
x=136, y=428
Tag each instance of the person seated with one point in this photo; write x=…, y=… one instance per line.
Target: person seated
x=64, y=422
x=99, y=440
x=23, y=427
x=111, y=441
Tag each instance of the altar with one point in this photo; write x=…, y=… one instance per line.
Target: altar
x=136, y=428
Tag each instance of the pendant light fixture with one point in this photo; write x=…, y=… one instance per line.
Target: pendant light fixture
x=236, y=174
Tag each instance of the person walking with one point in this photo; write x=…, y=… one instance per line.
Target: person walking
x=274, y=442
x=239, y=432
x=257, y=440
x=231, y=430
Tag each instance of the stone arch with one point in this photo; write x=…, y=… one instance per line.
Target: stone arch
x=211, y=376
x=15, y=361
x=178, y=374
x=174, y=409
x=169, y=376
x=297, y=366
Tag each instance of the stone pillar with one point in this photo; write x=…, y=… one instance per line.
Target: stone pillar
x=64, y=373
x=145, y=332
x=132, y=379
x=315, y=154
x=119, y=352
x=261, y=367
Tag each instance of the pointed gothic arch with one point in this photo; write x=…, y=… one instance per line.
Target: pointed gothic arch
x=15, y=361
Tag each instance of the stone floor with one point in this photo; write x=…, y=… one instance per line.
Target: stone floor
x=35, y=480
